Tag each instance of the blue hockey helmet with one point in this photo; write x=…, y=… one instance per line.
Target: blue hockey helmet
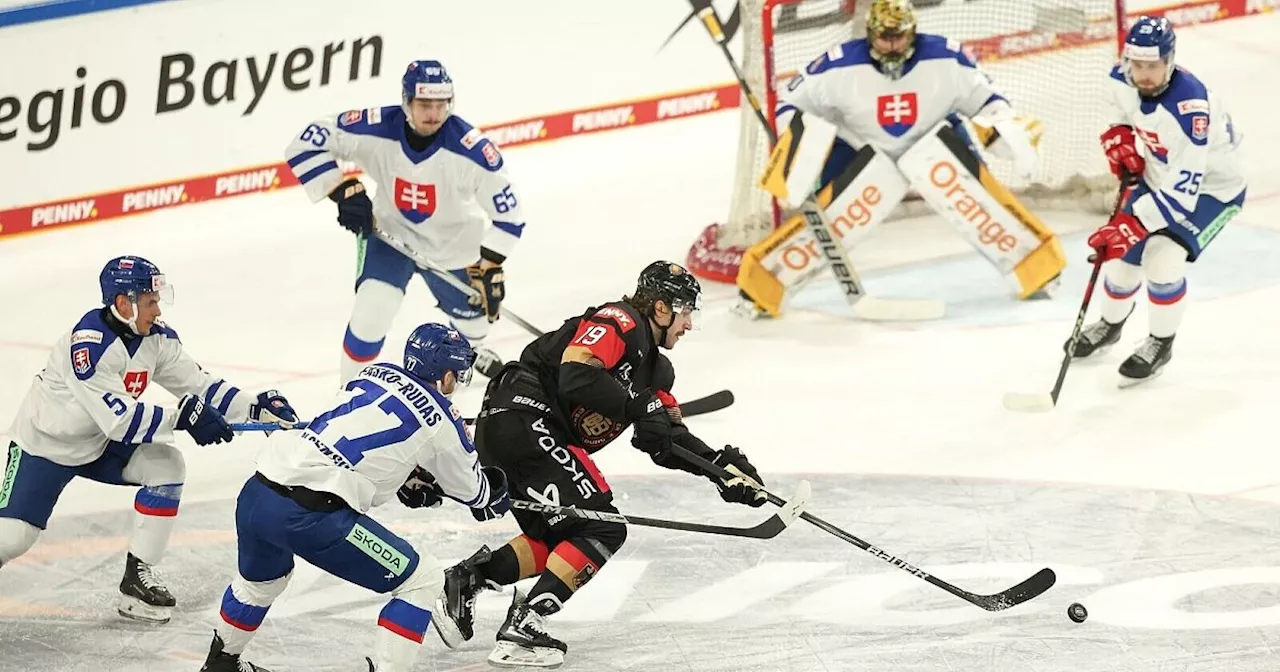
x=131, y=276
x=426, y=79
x=433, y=349
x=1150, y=39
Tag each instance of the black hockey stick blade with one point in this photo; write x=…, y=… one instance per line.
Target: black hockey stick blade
x=711, y=403
x=1030, y=589
x=769, y=528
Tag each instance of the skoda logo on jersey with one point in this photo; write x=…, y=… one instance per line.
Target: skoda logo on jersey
x=416, y=202
x=897, y=113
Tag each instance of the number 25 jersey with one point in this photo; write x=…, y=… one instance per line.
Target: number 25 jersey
x=385, y=424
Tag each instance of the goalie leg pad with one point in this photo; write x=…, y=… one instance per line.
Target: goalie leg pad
x=958, y=186
x=862, y=195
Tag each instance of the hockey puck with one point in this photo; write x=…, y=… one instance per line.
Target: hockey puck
x=1077, y=613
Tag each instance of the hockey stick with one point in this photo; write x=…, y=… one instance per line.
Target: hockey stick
x=862, y=305
x=1030, y=588
x=443, y=274
x=716, y=401
x=768, y=529
x=1034, y=401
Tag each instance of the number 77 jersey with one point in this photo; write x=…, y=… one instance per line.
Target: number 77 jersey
x=383, y=425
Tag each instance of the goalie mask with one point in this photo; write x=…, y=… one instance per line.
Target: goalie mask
x=891, y=32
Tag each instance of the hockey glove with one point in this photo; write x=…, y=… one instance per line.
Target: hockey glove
x=490, y=286
x=420, y=490
x=271, y=406
x=745, y=487
x=355, y=210
x=1121, y=148
x=651, y=426
x=203, y=422
x=1114, y=239
x=499, y=501
x=673, y=407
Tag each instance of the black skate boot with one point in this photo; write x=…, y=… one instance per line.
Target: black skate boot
x=1147, y=361
x=455, y=608
x=1096, y=338
x=143, y=597
x=488, y=363
x=523, y=640
x=221, y=661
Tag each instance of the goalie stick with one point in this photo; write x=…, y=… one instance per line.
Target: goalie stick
x=443, y=274
x=768, y=529
x=1010, y=597
x=1034, y=401
x=864, y=306
x=716, y=401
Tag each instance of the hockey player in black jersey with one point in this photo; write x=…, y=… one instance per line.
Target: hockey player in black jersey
x=572, y=393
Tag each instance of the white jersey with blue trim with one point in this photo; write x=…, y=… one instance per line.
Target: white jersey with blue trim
x=88, y=392
x=437, y=201
x=384, y=424
x=1189, y=142
x=845, y=87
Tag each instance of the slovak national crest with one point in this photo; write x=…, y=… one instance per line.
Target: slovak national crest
x=417, y=202
x=897, y=113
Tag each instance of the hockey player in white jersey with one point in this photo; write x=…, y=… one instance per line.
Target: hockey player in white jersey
x=1177, y=135
x=82, y=417
x=392, y=433
x=443, y=191
x=881, y=115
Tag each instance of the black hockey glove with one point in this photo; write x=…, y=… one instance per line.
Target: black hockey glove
x=738, y=490
x=203, y=422
x=499, y=501
x=355, y=210
x=491, y=288
x=651, y=426
x=420, y=490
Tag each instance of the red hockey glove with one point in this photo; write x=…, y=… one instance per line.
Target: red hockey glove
x=1115, y=238
x=1121, y=148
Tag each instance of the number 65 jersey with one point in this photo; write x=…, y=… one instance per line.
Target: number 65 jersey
x=384, y=424
x=437, y=201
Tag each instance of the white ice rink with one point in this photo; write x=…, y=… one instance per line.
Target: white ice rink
x=1157, y=504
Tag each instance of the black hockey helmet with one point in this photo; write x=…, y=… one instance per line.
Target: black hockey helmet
x=671, y=283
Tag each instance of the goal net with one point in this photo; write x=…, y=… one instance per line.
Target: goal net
x=1048, y=57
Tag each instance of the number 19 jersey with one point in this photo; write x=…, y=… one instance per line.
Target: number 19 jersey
x=384, y=424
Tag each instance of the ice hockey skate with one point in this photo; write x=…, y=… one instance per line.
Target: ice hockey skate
x=523, y=640
x=455, y=608
x=142, y=596
x=1147, y=362
x=221, y=661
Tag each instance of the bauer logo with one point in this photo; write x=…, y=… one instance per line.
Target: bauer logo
x=416, y=202
x=897, y=113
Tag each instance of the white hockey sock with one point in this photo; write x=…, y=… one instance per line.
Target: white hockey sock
x=244, y=606
x=375, y=308
x=1165, y=262
x=1120, y=283
x=401, y=627
x=155, y=512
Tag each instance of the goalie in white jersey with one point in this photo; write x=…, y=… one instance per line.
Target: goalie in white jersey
x=1177, y=136
x=443, y=193
x=82, y=417
x=873, y=117
x=392, y=433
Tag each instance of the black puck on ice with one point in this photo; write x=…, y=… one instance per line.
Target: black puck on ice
x=1077, y=613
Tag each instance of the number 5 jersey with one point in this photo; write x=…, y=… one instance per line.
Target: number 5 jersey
x=88, y=392
x=384, y=424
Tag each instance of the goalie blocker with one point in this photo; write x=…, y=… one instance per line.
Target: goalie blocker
x=942, y=167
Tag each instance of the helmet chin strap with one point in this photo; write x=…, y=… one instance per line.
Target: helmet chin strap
x=662, y=329
x=132, y=322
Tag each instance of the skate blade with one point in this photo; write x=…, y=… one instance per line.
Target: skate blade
x=507, y=654
x=449, y=633
x=1127, y=382
x=137, y=610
